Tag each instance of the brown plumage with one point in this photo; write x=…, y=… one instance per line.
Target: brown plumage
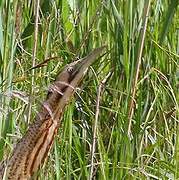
x=31, y=151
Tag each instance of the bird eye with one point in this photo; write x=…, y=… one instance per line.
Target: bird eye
x=70, y=69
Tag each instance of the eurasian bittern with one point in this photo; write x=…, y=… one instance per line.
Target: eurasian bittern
x=31, y=151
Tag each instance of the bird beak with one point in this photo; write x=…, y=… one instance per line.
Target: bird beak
x=84, y=63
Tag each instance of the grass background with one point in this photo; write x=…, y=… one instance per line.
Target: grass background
x=126, y=109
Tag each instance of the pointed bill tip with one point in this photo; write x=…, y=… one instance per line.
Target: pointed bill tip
x=85, y=62
x=90, y=58
x=97, y=51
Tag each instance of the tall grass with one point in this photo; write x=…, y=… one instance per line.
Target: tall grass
x=139, y=73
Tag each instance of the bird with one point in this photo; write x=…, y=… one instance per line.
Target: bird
x=33, y=148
